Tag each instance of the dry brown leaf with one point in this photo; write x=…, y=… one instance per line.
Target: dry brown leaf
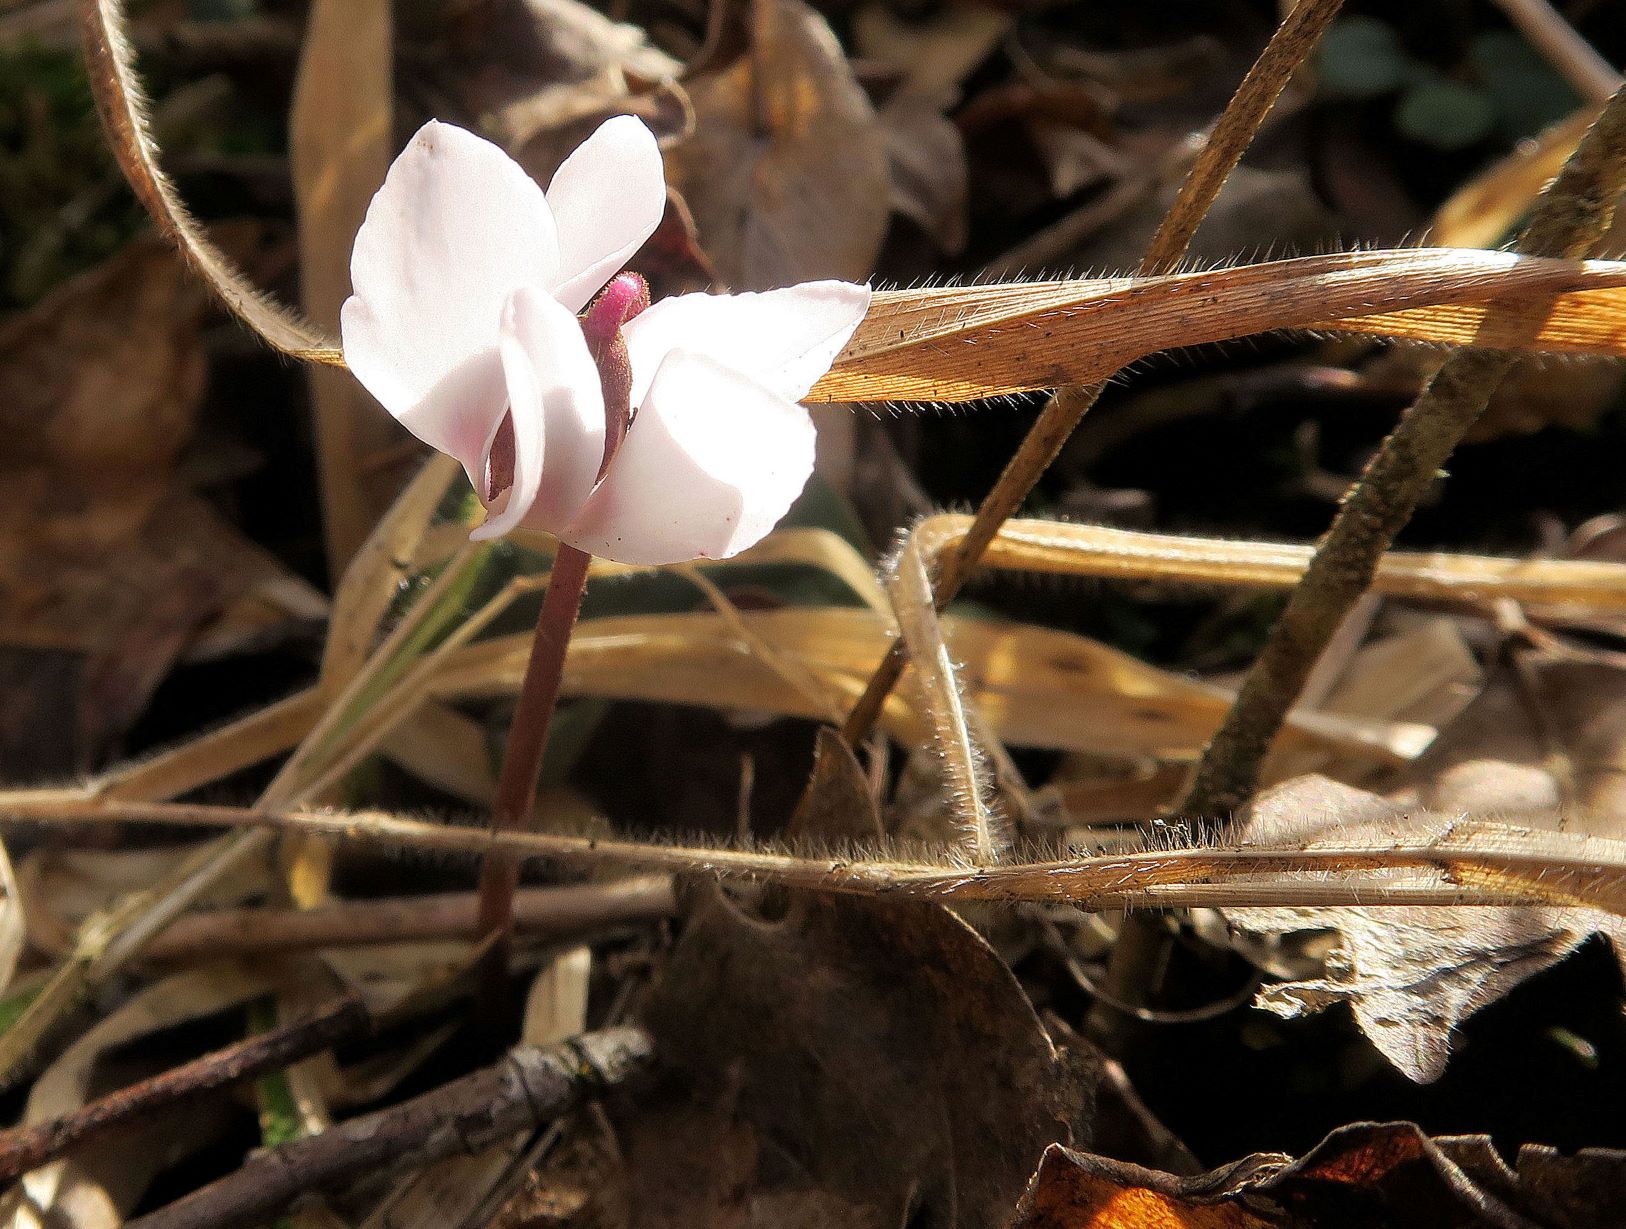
x=843, y=1063
x=1074, y=160
x=447, y=749
x=1410, y=974
x=926, y=156
x=933, y=57
x=110, y=570
x=105, y=373
x=1387, y=1174
x=837, y=807
x=787, y=169
x=1546, y=736
x=542, y=74
x=1422, y=672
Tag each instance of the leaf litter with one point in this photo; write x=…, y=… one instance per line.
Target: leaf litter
x=830, y=1048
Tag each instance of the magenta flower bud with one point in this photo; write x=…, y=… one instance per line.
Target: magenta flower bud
x=625, y=296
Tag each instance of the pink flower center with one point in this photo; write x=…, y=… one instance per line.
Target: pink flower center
x=626, y=295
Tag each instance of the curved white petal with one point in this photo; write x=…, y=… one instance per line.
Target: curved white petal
x=456, y=228
x=783, y=339
x=557, y=405
x=509, y=508
x=607, y=198
x=712, y=462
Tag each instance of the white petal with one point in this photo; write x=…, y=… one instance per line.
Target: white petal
x=558, y=407
x=456, y=228
x=510, y=506
x=608, y=198
x=712, y=462
x=783, y=339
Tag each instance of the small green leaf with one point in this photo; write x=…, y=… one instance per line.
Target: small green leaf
x=279, y=1114
x=222, y=10
x=14, y=1004
x=1526, y=89
x=1362, y=58
x=1445, y=114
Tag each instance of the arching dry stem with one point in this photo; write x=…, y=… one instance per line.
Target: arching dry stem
x=1571, y=217
x=1288, y=48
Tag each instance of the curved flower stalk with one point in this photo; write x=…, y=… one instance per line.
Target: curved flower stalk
x=467, y=281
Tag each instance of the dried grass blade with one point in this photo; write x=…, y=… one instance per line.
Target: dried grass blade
x=1034, y=686
x=1482, y=212
x=386, y=561
x=959, y=343
x=964, y=772
x=13, y=925
x=341, y=139
x=1552, y=586
x=794, y=675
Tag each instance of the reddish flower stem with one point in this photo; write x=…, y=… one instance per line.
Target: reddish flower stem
x=522, y=758
x=621, y=300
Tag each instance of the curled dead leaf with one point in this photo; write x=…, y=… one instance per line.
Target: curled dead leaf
x=1411, y=974
x=1387, y=1174
x=787, y=169
x=542, y=74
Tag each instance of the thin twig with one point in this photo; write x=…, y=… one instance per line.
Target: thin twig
x=1292, y=43
x=550, y=912
x=1570, y=218
x=1578, y=60
x=26, y=1148
x=530, y=1087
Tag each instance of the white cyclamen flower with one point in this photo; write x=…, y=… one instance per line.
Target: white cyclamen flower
x=467, y=279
